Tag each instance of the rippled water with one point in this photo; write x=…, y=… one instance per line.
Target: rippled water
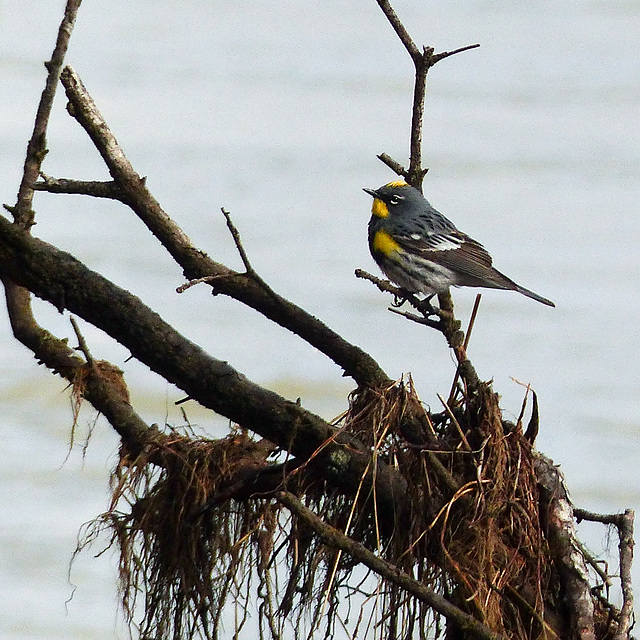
x=276, y=112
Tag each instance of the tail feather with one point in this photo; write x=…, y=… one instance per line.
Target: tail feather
x=500, y=281
x=534, y=296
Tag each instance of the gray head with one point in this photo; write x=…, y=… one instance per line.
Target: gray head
x=403, y=207
x=395, y=198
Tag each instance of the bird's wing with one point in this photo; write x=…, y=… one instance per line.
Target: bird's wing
x=452, y=249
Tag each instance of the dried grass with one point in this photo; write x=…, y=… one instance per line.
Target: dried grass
x=189, y=560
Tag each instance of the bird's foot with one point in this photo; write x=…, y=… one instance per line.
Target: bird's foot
x=423, y=305
x=400, y=298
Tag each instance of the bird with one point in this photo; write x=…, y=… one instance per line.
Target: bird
x=423, y=252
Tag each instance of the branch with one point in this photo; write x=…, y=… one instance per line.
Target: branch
x=37, y=147
x=335, y=539
x=395, y=166
x=624, y=524
x=447, y=323
x=196, y=264
x=423, y=61
x=561, y=535
x=59, y=278
x=400, y=30
x=94, y=188
x=104, y=392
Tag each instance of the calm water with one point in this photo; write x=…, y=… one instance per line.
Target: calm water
x=276, y=111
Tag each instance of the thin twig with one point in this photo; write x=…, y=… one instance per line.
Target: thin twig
x=37, y=147
x=82, y=343
x=428, y=322
x=235, y=234
x=250, y=271
x=463, y=437
x=393, y=165
x=95, y=188
x=401, y=296
x=472, y=320
x=595, y=565
x=400, y=30
x=446, y=54
x=192, y=283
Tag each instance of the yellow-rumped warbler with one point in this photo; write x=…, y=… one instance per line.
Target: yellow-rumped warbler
x=423, y=252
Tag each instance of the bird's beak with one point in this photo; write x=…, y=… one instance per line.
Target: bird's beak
x=371, y=192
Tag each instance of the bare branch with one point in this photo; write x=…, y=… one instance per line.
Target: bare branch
x=37, y=147
x=94, y=188
x=423, y=61
x=624, y=524
x=401, y=295
x=446, y=54
x=250, y=271
x=197, y=265
x=400, y=30
x=393, y=165
x=82, y=343
x=472, y=320
x=414, y=317
x=57, y=277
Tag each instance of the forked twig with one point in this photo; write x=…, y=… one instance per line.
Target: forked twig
x=423, y=61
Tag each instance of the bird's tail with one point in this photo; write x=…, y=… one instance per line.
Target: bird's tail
x=534, y=296
x=500, y=281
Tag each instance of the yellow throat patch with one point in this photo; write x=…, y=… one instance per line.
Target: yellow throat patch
x=379, y=208
x=384, y=243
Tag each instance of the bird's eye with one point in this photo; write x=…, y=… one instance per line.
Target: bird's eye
x=396, y=199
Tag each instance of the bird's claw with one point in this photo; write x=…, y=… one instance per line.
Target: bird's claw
x=399, y=299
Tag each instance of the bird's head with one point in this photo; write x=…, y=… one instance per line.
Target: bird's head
x=393, y=199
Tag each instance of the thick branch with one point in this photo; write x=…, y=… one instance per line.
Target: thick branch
x=59, y=278
x=624, y=523
x=196, y=264
x=569, y=561
x=103, y=392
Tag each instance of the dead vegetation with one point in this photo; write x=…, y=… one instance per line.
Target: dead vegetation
x=195, y=543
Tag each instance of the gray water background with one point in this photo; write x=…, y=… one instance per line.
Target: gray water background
x=276, y=111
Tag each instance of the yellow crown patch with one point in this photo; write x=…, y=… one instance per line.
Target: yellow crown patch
x=396, y=183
